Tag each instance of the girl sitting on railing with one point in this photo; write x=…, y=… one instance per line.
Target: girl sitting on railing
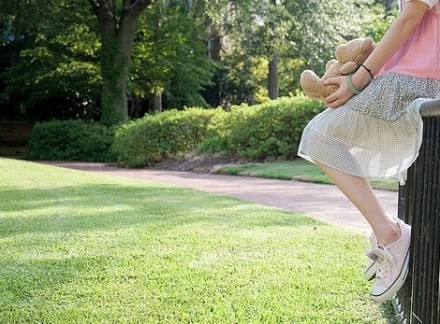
x=368, y=132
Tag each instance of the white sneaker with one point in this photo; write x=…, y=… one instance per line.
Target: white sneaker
x=392, y=265
x=371, y=267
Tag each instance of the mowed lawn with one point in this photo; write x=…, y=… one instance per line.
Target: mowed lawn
x=78, y=247
x=298, y=169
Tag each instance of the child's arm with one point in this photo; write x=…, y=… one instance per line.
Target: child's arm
x=398, y=33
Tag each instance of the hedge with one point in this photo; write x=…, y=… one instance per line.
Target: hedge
x=74, y=140
x=264, y=132
x=165, y=135
x=267, y=131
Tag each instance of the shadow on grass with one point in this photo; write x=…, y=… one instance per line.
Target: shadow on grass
x=108, y=206
x=100, y=246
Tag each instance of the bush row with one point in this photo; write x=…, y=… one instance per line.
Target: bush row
x=73, y=140
x=267, y=131
x=157, y=137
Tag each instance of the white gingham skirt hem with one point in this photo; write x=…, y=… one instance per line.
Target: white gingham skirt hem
x=376, y=134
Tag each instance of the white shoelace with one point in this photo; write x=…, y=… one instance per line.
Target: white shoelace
x=383, y=258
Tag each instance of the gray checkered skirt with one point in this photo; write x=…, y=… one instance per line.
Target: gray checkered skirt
x=376, y=134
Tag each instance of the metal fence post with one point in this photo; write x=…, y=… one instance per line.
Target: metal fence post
x=419, y=206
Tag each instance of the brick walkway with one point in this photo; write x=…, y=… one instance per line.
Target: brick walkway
x=324, y=202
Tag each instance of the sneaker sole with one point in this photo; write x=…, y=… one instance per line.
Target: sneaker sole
x=397, y=284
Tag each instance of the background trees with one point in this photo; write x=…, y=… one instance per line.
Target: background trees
x=49, y=60
x=170, y=63
x=117, y=21
x=113, y=60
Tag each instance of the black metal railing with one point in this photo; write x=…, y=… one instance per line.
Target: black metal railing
x=419, y=205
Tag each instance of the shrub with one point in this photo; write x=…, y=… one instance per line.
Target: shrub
x=160, y=136
x=268, y=131
x=74, y=140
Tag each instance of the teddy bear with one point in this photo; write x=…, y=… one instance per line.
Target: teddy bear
x=349, y=57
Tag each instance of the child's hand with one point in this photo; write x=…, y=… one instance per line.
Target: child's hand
x=340, y=96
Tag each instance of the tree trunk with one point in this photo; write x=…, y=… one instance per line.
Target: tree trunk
x=273, y=77
x=135, y=110
x=273, y=86
x=155, y=102
x=114, y=85
x=214, y=45
x=389, y=5
x=117, y=35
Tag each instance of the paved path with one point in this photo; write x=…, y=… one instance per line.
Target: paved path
x=324, y=202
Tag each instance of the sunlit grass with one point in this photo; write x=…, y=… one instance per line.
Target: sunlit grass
x=300, y=170
x=89, y=248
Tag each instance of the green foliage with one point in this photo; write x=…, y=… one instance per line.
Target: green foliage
x=169, y=56
x=70, y=140
x=290, y=70
x=378, y=21
x=319, y=26
x=48, y=60
x=268, y=131
x=238, y=81
x=50, y=52
x=159, y=136
x=48, y=86
x=303, y=34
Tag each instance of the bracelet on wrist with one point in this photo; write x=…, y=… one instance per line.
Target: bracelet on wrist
x=368, y=70
x=351, y=86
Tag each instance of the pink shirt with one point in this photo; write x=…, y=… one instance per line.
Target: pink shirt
x=420, y=55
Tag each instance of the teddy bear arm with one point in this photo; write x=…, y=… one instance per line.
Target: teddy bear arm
x=348, y=68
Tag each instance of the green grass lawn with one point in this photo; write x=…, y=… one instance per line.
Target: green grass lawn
x=297, y=170
x=78, y=247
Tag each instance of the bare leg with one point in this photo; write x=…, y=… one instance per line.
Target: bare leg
x=360, y=193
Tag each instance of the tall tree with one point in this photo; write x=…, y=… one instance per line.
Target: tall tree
x=283, y=30
x=48, y=63
x=53, y=49
x=169, y=57
x=117, y=26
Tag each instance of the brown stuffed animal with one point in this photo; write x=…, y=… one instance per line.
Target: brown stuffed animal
x=349, y=57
